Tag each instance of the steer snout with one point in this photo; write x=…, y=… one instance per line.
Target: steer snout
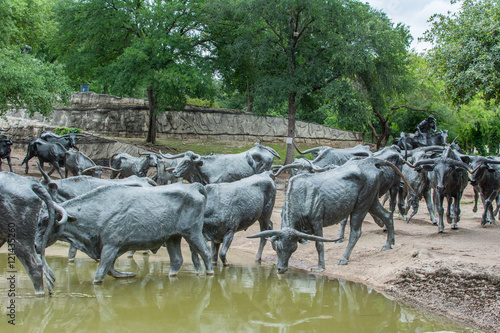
x=440, y=189
x=282, y=270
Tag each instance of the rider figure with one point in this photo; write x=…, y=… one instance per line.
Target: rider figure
x=424, y=128
x=423, y=133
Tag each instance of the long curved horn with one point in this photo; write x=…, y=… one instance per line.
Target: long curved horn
x=63, y=212
x=423, y=162
x=267, y=234
x=312, y=150
x=313, y=238
x=269, y=149
x=171, y=157
x=92, y=167
x=52, y=134
x=461, y=164
x=112, y=169
x=286, y=167
x=5, y=130
x=317, y=169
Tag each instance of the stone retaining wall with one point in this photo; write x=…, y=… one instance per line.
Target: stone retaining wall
x=128, y=117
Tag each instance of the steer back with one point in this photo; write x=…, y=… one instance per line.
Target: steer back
x=69, y=188
x=223, y=168
x=67, y=140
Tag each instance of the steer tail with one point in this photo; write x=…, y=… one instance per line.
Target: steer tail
x=42, y=193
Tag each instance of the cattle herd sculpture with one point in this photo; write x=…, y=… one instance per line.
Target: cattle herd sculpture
x=207, y=199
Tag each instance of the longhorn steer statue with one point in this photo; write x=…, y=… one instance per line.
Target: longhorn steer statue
x=130, y=165
x=389, y=182
x=419, y=181
x=486, y=178
x=79, y=164
x=111, y=220
x=5, y=149
x=68, y=188
x=449, y=179
x=233, y=207
x=47, y=152
x=223, y=168
x=21, y=202
x=315, y=201
x=67, y=140
x=164, y=168
x=328, y=156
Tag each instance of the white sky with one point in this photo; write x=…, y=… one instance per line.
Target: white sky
x=413, y=13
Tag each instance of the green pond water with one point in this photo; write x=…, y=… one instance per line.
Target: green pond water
x=245, y=297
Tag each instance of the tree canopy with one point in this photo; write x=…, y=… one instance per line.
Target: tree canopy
x=28, y=81
x=466, y=51
x=304, y=54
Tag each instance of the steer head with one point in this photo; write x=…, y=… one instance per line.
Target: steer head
x=285, y=242
x=481, y=166
x=188, y=164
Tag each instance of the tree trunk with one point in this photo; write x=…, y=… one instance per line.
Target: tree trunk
x=152, y=116
x=291, y=127
x=249, y=98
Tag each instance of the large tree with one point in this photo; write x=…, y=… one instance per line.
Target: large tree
x=466, y=50
x=136, y=48
x=27, y=80
x=288, y=51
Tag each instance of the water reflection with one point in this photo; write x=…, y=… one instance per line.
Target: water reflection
x=243, y=299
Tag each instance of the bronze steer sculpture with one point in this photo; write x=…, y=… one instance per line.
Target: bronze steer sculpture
x=47, y=152
x=326, y=157
x=67, y=140
x=448, y=180
x=5, y=150
x=223, y=168
x=233, y=207
x=110, y=220
x=129, y=165
x=21, y=201
x=314, y=201
x=79, y=164
x=486, y=178
x=68, y=188
x=419, y=181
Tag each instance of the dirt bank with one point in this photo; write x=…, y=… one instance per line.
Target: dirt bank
x=456, y=273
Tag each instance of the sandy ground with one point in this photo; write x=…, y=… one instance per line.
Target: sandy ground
x=456, y=273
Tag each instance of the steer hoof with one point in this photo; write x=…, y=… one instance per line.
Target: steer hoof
x=97, y=282
x=342, y=262
x=386, y=247
x=210, y=273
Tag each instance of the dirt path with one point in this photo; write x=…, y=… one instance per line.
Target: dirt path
x=456, y=273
